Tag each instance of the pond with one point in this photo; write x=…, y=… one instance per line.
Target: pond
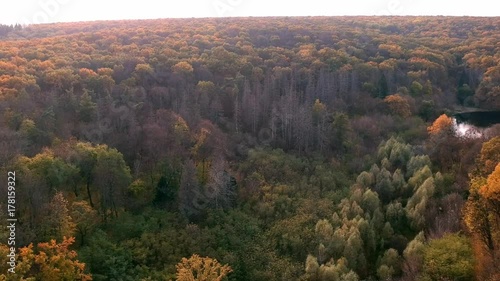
x=475, y=123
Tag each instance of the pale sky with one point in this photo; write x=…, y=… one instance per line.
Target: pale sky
x=46, y=11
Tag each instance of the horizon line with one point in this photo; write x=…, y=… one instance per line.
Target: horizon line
x=245, y=17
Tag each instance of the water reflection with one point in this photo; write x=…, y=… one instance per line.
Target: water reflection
x=466, y=130
x=475, y=124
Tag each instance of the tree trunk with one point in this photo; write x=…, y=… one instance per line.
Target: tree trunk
x=89, y=195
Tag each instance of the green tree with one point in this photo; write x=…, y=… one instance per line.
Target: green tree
x=442, y=263
x=167, y=186
x=416, y=88
x=84, y=157
x=370, y=201
x=111, y=178
x=42, y=176
x=427, y=110
x=50, y=170
x=418, y=203
x=383, y=87
x=390, y=265
x=464, y=94
x=341, y=138
x=103, y=171
x=106, y=259
x=192, y=201
x=87, y=109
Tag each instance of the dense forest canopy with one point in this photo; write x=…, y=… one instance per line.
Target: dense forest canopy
x=297, y=148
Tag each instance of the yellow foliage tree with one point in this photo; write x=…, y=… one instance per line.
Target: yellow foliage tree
x=482, y=211
x=491, y=190
x=490, y=156
x=183, y=68
x=197, y=268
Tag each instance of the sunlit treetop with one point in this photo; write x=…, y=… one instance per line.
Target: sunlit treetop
x=443, y=124
x=492, y=188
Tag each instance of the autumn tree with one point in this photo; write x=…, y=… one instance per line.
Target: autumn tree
x=489, y=156
x=43, y=175
x=85, y=219
x=481, y=211
x=398, y=105
x=442, y=125
x=57, y=222
x=488, y=92
x=51, y=261
x=252, y=128
x=443, y=144
x=60, y=79
x=491, y=190
x=197, y=268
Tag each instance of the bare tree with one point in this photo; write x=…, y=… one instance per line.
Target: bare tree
x=220, y=189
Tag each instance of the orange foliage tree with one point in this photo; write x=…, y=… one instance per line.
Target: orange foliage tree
x=444, y=146
x=491, y=190
x=482, y=211
x=398, y=105
x=443, y=124
x=49, y=261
